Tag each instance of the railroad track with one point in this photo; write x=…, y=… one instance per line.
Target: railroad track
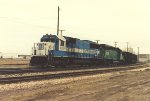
x=51, y=69
x=61, y=74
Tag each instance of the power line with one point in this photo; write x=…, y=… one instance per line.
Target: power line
x=20, y=18
x=16, y=20
x=39, y=26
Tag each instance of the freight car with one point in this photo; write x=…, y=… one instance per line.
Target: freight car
x=63, y=50
x=129, y=58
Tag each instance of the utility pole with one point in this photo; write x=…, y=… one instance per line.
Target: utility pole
x=127, y=46
x=97, y=41
x=148, y=57
x=61, y=32
x=138, y=53
x=1, y=55
x=115, y=44
x=58, y=22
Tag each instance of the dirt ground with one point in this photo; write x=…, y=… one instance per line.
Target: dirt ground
x=117, y=86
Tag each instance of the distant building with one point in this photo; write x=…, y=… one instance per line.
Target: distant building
x=24, y=56
x=8, y=55
x=144, y=57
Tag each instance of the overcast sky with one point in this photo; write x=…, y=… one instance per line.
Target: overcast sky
x=23, y=22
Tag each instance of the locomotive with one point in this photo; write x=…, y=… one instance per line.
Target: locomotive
x=59, y=50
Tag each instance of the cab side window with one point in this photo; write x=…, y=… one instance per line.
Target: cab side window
x=62, y=43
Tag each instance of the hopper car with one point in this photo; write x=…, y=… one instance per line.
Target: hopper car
x=129, y=58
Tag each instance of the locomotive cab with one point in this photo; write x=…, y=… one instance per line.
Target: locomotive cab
x=42, y=48
x=48, y=46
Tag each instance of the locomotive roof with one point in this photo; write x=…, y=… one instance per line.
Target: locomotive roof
x=66, y=37
x=128, y=52
x=77, y=39
x=108, y=46
x=89, y=41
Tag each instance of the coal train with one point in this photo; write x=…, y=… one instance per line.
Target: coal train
x=59, y=50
